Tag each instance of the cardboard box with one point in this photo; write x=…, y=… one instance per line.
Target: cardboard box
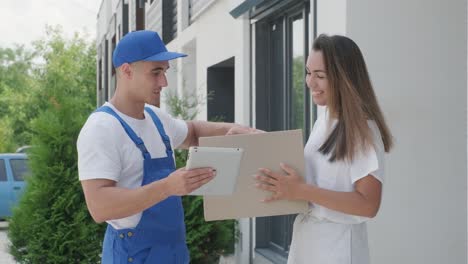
x=265, y=150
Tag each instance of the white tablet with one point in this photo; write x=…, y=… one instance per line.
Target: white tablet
x=226, y=162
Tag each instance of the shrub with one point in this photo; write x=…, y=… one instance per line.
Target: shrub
x=51, y=223
x=207, y=241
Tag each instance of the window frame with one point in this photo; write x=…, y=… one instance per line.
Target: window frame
x=5, y=172
x=264, y=95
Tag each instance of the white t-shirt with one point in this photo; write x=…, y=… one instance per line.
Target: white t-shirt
x=340, y=175
x=105, y=151
x=324, y=235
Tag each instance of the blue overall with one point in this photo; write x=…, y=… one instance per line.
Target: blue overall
x=159, y=237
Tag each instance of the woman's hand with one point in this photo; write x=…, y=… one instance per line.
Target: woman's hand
x=283, y=187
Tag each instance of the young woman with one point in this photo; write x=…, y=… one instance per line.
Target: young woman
x=344, y=160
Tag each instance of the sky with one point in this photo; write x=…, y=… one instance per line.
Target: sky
x=23, y=21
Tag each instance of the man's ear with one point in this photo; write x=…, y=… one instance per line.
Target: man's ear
x=126, y=71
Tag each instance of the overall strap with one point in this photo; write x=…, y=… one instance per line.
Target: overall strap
x=133, y=136
x=161, y=130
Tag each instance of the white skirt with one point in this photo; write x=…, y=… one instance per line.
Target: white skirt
x=317, y=241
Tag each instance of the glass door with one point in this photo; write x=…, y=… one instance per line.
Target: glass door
x=282, y=97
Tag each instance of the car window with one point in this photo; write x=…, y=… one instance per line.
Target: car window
x=20, y=169
x=3, y=176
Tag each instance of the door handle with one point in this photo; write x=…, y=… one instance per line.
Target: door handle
x=16, y=188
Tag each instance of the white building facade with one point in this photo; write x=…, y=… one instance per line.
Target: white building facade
x=249, y=57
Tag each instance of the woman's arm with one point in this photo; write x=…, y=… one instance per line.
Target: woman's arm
x=363, y=201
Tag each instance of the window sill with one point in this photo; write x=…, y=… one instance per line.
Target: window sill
x=202, y=9
x=271, y=255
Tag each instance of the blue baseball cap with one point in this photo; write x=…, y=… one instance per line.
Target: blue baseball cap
x=142, y=45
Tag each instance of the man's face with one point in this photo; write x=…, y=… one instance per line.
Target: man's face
x=149, y=78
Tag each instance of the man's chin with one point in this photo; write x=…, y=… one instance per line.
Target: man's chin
x=154, y=101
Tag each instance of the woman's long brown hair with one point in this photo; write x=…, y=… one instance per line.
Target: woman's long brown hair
x=351, y=99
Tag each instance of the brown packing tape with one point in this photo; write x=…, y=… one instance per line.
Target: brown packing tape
x=265, y=150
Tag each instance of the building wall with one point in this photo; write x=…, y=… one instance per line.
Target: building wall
x=217, y=37
x=331, y=16
x=417, y=57
x=132, y=15
x=154, y=16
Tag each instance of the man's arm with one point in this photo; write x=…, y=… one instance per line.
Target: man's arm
x=106, y=201
x=197, y=129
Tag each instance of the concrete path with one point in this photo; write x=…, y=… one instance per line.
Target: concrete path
x=5, y=258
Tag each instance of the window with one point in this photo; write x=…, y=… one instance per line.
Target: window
x=282, y=42
x=124, y=19
x=19, y=168
x=169, y=20
x=3, y=175
x=140, y=14
x=220, y=90
x=113, y=81
x=100, y=74
x=297, y=61
x=113, y=45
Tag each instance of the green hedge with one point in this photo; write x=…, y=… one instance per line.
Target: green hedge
x=51, y=223
x=207, y=241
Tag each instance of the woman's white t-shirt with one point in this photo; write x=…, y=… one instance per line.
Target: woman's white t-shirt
x=105, y=151
x=340, y=175
x=324, y=235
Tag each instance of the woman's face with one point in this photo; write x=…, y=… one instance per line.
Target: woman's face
x=316, y=78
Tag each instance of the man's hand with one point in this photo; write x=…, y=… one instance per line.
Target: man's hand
x=182, y=181
x=238, y=129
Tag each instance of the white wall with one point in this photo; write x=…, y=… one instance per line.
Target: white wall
x=331, y=17
x=103, y=19
x=417, y=57
x=218, y=36
x=331, y=20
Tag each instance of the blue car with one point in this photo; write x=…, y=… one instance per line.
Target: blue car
x=13, y=170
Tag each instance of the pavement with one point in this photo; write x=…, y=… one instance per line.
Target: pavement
x=5, y=257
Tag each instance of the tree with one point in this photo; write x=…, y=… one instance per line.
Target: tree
x=16, y=85
x=298, y=83
x=51, y=223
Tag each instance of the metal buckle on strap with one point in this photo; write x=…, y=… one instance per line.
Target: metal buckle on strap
x=167, y=143
x=166, y=139
x=142, y=147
